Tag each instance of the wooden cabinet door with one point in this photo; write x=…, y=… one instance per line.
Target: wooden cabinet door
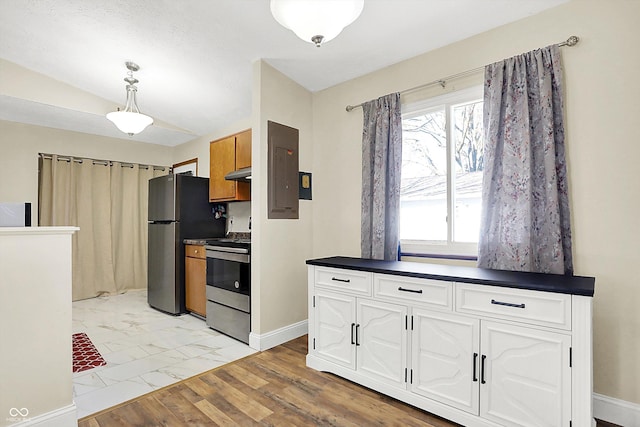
x=195, y=285
x=222, y=161
x=527, y=376
x=382, y=341
x=445, y=358
x=243, y=149
x=334, y=327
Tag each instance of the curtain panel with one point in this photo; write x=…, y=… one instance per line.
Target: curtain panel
x=108, y=201
x=381, y=168
x=525, y=224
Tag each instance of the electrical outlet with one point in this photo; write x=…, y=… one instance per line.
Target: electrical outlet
x=229, y=224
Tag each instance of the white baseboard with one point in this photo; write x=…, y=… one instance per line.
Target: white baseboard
x=279, y=336
x=67, y=416
x=616, y=411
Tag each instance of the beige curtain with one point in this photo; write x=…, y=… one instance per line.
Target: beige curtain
x=108, y=201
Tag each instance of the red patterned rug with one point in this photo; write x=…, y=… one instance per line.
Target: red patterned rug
x=85, y=355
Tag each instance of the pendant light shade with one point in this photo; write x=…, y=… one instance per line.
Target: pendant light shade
x=130, y=120
x=316, y=21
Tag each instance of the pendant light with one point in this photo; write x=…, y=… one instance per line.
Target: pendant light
x=316, y=21
x=130, y=120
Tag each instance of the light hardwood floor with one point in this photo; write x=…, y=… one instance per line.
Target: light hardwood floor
x=271, y=388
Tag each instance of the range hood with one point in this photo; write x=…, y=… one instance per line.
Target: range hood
x=243, y=174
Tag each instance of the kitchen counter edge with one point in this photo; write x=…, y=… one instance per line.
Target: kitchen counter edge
x=558, y=283
x=199, y=242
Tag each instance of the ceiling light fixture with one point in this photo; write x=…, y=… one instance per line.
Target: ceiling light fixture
x=316, y=21
x=130, y=120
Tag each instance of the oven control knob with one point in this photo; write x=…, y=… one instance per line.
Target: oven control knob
x=237, y=284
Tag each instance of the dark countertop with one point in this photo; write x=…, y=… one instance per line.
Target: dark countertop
x=236, y=235
x=574, y=285
x=201, y=242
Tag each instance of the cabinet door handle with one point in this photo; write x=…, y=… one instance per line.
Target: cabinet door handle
x=415, y=291
x=475, y=363
x=508, y=304
x=482, y=381
x=352, y=333
x=341, y=280
x=357, y=334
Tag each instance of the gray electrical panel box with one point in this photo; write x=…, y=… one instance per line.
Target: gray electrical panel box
x=282, y=171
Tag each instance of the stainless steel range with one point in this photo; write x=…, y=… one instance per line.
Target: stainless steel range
x=229, y=287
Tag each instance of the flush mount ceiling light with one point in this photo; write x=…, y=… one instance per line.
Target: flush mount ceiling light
x=130, y=120
x=316, y=21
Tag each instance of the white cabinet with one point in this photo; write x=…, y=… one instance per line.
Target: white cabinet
x=445, y=357
x=477, y=354
x=525, y=376
x=516, y=376
x=381, y=340
x=361, y=334
x=521, y=305
x=334, y=325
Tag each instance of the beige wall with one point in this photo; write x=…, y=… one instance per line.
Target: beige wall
x=602, y=110
x=199, y=147
x=22, y=83
x=21, y=143
x=280, y=247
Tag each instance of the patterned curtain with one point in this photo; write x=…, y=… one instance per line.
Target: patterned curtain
x=525, y=205
x=381, y=165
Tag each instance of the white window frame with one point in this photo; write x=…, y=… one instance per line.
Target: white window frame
x=449, y=248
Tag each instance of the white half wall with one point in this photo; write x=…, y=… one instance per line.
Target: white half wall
x=35, y=302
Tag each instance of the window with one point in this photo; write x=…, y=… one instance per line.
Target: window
x=442, y=162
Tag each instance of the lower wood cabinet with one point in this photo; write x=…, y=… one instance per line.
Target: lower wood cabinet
x=196, y=279
x=486, y=369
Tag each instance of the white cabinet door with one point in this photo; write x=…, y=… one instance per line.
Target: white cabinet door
x=525, y=376
x=335, y=317
x=445, y=358
x=382, y=341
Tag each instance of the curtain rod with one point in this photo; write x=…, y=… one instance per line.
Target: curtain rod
x=571, y=41
x=101, y=162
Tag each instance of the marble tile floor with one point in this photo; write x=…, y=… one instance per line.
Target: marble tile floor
x=145, y=349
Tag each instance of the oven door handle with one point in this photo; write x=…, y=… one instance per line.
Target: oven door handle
x=227, y=249
x=228, y=256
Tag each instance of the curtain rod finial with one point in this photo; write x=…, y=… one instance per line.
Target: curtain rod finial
x=572, y=41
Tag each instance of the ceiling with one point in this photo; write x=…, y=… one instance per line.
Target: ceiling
x=196, y=56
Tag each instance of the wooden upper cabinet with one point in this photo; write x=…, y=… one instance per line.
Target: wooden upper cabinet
x=243, y=150
x=227, y=155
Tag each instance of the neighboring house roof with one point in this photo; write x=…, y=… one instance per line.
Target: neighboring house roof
x=435, y=186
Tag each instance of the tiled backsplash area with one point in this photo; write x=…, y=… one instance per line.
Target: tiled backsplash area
x=238, y=217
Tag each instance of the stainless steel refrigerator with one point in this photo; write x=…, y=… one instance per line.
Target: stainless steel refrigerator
x=179, y=209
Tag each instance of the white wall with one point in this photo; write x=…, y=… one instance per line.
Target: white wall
x=35, y=302
x=280, y=247
x=602, y=110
